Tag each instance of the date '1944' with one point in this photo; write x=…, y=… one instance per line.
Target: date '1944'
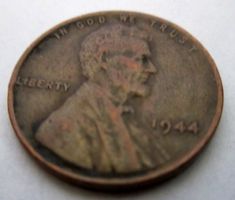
x=167, y=126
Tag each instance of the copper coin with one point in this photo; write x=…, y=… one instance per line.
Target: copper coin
x=115, y=100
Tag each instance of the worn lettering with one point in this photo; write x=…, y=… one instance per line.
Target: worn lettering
x=89, y=22
x=80, y=25
x=153, y=22
x=60, y=33
x=163, y=27
x=193, y=48
x=173, y=33
x=127, y=18
x=42, y=84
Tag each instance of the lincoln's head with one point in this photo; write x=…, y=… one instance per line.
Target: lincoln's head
x=120, y=56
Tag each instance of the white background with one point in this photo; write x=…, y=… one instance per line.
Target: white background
x=211, y=177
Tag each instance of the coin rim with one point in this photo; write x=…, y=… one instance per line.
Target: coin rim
x=98, y=182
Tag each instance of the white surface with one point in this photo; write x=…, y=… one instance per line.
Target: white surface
x=211, y=177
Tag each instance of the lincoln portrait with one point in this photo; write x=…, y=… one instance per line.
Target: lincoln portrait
x=89, y=130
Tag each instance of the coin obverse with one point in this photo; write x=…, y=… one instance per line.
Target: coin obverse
x=115, y=100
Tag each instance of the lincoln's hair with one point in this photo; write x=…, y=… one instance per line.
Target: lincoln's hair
x=108, y=40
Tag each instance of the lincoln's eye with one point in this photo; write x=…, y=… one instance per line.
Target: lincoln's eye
x=144, y=59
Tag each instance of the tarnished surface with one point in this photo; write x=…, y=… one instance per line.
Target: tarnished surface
x=115, y=98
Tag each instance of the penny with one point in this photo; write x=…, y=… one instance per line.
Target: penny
x=115, y=100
